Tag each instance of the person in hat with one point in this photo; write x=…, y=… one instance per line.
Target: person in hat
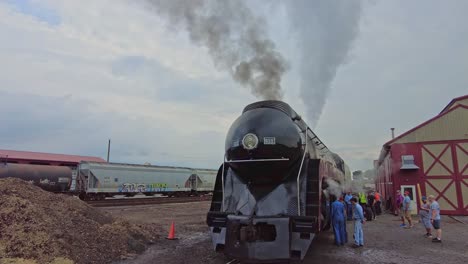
x=425, y=217
x=407, y=209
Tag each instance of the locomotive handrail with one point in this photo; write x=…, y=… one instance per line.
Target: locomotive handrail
x=254, y=160
x=299, y=175
x=222, y=182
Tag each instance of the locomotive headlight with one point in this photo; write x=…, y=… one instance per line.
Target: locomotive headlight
x=250, y=141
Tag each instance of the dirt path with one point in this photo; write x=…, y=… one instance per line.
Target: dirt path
x=385, y=241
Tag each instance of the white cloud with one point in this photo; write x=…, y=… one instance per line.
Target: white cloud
x=114, y=69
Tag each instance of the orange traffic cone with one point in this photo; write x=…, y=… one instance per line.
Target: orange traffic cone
x=171, y=235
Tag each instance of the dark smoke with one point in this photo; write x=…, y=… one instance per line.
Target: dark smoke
x=325, y=30
x=236, y=40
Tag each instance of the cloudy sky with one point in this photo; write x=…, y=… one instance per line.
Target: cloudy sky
x=75, y=73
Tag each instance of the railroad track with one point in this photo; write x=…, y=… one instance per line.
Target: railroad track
x=144, y=201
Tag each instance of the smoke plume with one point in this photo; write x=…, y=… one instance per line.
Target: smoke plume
x=333, y=188
x=236, y=40
x=325, y=30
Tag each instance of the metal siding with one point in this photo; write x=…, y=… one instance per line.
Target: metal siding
x=452, y=126
x=208, y=179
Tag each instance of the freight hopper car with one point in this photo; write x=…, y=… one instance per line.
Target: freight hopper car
x=98, y=180
x=270, y=197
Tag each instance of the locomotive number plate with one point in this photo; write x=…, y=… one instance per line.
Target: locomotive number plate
x=269, y=140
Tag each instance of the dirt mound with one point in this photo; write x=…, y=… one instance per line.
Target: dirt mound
x=35, y=224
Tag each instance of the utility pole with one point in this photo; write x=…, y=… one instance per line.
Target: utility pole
x=108, y=151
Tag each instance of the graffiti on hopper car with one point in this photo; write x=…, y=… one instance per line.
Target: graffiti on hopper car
x=141, y=187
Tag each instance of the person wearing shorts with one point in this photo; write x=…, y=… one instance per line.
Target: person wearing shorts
x=399, y=204
x=435, y=218
x=407, y=209
x=425, y=217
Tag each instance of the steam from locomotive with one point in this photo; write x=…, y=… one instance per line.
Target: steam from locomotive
x=236, y=40
x=325, y=31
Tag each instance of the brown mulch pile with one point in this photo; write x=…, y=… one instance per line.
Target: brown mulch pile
x=43, y=226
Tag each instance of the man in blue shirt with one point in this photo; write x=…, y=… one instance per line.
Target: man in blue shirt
x=359, y=220
x=338, y=216
x=407, y=209
x=435, y=218
x=349, y=208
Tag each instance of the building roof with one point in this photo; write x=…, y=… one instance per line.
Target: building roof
x=39, y=156
x=458, y=99
x=452, y=106
x=425, y=123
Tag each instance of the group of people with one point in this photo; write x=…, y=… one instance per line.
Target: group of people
x=349, y=208
x=429, y=214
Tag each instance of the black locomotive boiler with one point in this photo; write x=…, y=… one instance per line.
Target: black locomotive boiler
x=269, y=200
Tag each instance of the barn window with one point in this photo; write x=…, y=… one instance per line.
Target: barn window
x=407, y=163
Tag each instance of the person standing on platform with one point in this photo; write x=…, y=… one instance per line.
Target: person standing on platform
x=349, y=207
x=359, y=220
x=338, y=216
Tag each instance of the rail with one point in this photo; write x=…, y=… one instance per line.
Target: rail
x=147, y=201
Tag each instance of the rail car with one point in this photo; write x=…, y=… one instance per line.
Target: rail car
x=97, y=180
x=49, y=178
x=270, y=196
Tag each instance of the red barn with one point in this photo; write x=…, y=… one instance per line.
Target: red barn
x=433, y=155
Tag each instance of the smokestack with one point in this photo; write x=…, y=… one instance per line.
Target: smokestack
x=108, y=151
x=393, y=132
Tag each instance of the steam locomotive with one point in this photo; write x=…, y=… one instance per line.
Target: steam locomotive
x=271, y=192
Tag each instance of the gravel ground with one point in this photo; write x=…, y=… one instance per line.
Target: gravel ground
x=385, y=241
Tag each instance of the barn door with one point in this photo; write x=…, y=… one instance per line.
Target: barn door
x=445, y=173
x=461, y=151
